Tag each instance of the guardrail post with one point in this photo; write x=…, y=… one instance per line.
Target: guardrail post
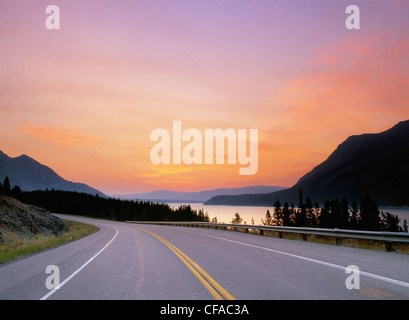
x=261, y=232
x=338, y=241
x=388, y=246
x=304, y=237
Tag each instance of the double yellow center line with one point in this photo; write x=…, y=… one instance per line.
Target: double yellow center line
x=217, y=291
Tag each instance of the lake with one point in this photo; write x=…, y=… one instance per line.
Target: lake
x=226, y=213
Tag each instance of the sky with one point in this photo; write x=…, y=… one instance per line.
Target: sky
x=84, y=99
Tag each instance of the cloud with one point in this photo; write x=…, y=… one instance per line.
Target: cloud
x=64, y=137
x=352, y=82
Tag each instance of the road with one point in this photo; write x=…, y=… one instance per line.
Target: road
x=151, y=262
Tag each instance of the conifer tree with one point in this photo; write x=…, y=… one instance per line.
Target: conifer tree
x=268, y=221
x=277, y=215
x=301, y=218
x=7, y=186
x=369, y=214
x=286, y=215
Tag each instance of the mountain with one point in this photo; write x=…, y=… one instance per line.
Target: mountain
x=31, y=175
x=377, y=163
x=200, y=196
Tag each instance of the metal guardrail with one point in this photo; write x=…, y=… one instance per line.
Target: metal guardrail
x=388, y=237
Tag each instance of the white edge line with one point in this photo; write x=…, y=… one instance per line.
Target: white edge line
x=79, y=269
x=370, y=275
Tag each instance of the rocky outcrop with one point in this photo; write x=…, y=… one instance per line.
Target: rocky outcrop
x=27, y=220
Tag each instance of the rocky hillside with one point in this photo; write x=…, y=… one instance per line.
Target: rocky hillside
x=27, y=220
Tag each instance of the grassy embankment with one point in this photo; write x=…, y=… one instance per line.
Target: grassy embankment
x=16, y=246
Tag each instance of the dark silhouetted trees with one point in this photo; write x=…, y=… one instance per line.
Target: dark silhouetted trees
x=95, y=206
x=336, y=214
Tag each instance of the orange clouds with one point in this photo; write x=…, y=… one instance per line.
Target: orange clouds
x=352, y=82
x=60, y=136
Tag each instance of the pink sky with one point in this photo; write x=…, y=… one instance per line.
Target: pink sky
x=84, y=99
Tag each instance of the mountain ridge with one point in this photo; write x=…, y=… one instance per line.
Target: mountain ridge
x=373, y=162
x=198, y=196
x=31, y=175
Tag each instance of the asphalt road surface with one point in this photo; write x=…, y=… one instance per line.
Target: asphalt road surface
x=150, y=262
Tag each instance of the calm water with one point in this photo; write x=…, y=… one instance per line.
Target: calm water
x=226, y=213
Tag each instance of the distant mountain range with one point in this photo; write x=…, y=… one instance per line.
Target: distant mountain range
x=31, y=175
x=377, y=163
x=200, y=196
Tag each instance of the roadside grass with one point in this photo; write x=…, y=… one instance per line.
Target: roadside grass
x=17, y=246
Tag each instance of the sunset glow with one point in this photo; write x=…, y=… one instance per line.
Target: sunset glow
x=84, y=99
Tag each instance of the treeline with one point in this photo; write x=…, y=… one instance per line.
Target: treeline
x=95, y=206
x=336, y=213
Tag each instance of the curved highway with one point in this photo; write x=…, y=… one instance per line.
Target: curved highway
x=151, y=262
